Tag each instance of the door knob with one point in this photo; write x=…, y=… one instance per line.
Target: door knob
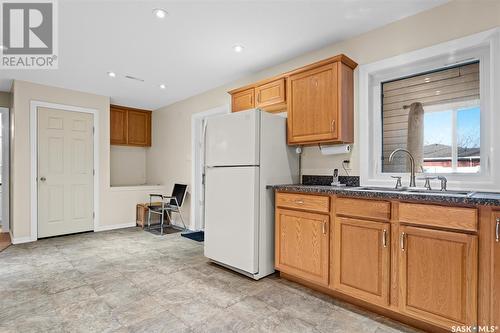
x=43, y=179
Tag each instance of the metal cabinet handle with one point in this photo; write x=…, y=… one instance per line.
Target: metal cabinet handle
x=333, y=125
x=497, y=230
x=300, y=202
x=402, y=241
x=384, y=238
x=324, y=227
x=258, y=97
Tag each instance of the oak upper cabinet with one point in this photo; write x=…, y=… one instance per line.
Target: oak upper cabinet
x=139, y=128
x=361, y=264
x=242, y=99
x=272, y=95
x=438, y=276
x=320, y=102
x=495, y=288
x=129, y=126
x=302, y=240
x=118, y=130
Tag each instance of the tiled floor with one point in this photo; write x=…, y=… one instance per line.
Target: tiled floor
x=132, y=281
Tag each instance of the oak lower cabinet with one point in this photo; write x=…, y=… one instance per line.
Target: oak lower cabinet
x=361, y=266
x=495, y=288
x=302, y=245
x=438, y=276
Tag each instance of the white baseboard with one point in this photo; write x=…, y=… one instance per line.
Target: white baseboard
x=20, y=240
x=113, y=226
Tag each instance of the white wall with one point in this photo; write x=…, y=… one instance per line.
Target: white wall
x=128, y=166
x=450, y=21
x=117, y=207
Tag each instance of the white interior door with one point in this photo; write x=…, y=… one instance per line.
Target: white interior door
x=231, y=216
x=65, y=172
x=5, y=173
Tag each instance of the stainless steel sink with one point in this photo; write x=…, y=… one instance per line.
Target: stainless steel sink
x=380, y=189
x=415, y=191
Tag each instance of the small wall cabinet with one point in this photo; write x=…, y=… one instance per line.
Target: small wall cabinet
x=243, y=100
x=130, y=127
x=269, y=95
x=319, y=100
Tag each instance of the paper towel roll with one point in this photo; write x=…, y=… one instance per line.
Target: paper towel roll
x=335, y=149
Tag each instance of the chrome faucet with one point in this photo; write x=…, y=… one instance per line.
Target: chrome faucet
x=443, y=183
x=412, y=164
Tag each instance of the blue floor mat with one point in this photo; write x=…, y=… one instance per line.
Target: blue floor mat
x=198, y=236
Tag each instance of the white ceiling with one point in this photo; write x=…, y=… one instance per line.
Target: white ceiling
x=190, y=51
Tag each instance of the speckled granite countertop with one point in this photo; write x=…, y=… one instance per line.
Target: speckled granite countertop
x=474, y=199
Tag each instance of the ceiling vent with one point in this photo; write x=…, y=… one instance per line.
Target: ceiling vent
x=133, y=78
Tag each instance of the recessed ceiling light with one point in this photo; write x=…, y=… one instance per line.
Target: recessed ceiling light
x=160, y=13
x=438, y=92
x=238, y=48
x=427, y=79
x=111, y=74
x=162, y=86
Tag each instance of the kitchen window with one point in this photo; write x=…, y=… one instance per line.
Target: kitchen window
x=437, y=117
x=437, y=103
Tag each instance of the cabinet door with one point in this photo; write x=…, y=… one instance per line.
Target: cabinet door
x=243, y=100
x=495, y=300
x=271, y=93
x=118, y=126
x=302, y=245
x=139, y=128
x=313, y=105
x=438, y=276
x=362, y=259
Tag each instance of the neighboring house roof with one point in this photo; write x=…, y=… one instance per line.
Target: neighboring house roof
x=439, y=151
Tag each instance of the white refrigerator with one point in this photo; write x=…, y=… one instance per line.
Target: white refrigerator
x=245, y=152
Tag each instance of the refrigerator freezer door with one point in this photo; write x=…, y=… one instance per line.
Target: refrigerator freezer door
x=231, y=216
x=233, y=139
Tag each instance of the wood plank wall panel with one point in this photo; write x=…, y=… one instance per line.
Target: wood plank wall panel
x=455, y=84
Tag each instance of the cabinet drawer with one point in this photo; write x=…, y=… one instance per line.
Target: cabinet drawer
x=439, y=216
x=372, y=209
x=316, y=203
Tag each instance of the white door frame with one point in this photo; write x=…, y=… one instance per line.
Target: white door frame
x=5, y=195
x=34, y=158
x=196, y=163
